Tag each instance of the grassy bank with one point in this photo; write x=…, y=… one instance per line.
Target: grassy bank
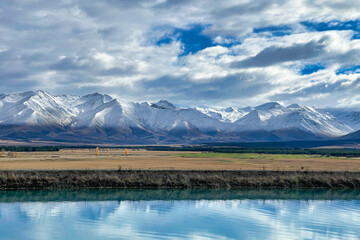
x=150, y=179
x=176, y=194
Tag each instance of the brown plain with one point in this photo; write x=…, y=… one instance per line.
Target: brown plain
x=164, y=160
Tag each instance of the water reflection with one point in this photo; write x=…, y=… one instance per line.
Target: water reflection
x=174, y=214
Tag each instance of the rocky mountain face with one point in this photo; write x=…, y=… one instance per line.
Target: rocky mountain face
x=98, y=118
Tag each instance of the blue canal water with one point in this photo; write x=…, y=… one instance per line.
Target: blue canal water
x=180, y=214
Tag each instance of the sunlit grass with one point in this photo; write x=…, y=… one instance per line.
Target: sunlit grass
x=250, y=155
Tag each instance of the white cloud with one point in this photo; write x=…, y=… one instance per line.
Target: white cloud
x=350, y=102
x=108, y=46
x=105, y=59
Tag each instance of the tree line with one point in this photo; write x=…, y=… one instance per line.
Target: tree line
x=30, y=149
x=200, y=148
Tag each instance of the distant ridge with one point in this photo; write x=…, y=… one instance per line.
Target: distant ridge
x=353, y=135
x=99, y=118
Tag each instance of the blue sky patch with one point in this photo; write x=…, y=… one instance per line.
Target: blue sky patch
x=193, y=39
x=356, y=35
x=334, y=25
x=348, y=70
x=165, y=40
x=276, y=31
x=309, y=69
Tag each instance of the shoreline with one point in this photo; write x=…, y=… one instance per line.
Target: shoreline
x=78, y=195
x=175, y=179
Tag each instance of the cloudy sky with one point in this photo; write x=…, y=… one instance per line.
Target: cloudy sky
x=204, y=52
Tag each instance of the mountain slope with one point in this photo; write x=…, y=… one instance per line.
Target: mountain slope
x=273, y=116
x=99, y=118
x=227, y=115
x=353, y=135
x=350, y=117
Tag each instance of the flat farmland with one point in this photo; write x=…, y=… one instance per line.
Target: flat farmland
x=170, y=160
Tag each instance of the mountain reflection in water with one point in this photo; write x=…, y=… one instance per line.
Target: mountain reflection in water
x=180, y=214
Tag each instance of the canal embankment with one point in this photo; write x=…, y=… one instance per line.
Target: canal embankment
x=175, y=179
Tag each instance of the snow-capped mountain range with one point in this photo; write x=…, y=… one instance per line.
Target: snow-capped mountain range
x=94, y=118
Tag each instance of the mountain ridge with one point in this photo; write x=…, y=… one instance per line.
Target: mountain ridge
x=40, y=116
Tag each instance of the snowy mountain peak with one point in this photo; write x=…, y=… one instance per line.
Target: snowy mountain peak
x=230, y=109
x=163, y=104
x=294, y=105
x=124, y=120
x=268, y=106
x=145, y=104
x=42, y=92
x=98, y=96
x=29, y=94
x=248, y=109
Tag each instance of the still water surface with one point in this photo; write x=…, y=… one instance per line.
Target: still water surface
x=180, y=214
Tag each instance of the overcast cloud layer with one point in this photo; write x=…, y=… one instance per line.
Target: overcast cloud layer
x=206, y=52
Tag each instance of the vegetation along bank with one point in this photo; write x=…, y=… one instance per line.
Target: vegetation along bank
x=175, y=179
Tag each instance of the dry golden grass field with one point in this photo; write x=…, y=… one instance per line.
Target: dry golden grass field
x=166, y=160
